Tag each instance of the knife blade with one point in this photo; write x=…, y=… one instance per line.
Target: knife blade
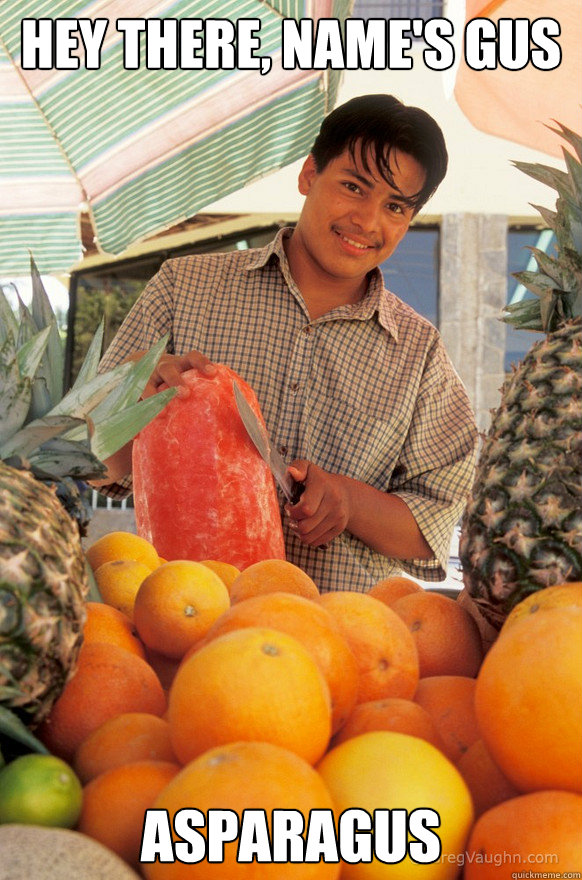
x=292, y=489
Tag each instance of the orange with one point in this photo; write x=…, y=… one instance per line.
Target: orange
x=224, y=570
x=317, y=631
x=446, y=636
x=527, y=701
x=534, y=835
x=114, y=804
x=394, y=713
x=124, y=739
x=118, y=582
x=108, y=681
x=383, y=770
x=250, y=684
x=449, y=700
x=106, y=624
x=383, y=647
x=272, y=576
x=567, y=595
x=487, y=784
x=243, y=777
x=121, y=545
x=392, y=588
x=176, y=605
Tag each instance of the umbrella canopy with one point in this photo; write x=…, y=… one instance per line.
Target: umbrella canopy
x=142, y=147
x=518, y=104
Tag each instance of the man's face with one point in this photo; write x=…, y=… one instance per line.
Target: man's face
x=353, y=219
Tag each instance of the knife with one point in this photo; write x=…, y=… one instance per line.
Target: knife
x=292, y=489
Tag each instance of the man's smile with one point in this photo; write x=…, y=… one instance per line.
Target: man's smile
x=356, y=243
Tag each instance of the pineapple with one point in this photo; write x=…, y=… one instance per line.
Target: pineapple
x=522, y=527
x=48, y=442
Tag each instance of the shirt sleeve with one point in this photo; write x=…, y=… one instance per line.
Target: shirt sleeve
x=435, y=471
x=148, y=320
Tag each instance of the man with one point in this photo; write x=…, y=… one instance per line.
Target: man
x=355, y=387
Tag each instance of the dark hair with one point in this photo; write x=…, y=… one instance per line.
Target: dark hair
x=376, y=125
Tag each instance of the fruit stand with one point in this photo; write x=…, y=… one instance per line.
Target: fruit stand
x=209, y=714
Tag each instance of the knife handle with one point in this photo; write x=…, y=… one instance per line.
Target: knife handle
x=296, y=493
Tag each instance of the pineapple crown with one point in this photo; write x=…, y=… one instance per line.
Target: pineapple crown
x=58, y=437
x=558, y=280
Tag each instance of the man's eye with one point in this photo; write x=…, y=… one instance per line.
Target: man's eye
x=353, y=187
x=395, y=207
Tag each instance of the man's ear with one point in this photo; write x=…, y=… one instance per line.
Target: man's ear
x=307, y=175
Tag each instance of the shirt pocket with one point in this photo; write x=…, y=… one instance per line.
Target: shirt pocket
x=349, y=440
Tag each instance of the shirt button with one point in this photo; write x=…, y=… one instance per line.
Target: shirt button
x=283, y=450
x=307, y=330
x=294, y=386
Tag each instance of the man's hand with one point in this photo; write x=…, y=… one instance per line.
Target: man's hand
x=170, y=367
x=332, y=503
x=322, y=512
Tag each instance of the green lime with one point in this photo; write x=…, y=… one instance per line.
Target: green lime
x=39, y=790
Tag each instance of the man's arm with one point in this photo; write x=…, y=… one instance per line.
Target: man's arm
x=332, y=503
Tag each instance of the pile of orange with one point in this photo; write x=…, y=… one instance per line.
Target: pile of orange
x=251, y=691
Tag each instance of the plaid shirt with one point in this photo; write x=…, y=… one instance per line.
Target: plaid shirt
x=366, y=390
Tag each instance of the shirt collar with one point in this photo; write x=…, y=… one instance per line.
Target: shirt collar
x=377, y=300
x=261, y=256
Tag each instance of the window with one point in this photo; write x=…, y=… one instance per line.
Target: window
x=519, y=239
x=412, y=271
x=424, y=9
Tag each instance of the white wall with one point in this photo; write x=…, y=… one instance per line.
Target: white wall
x=480, y=177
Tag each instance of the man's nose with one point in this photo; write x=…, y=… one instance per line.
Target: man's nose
x=366, y=215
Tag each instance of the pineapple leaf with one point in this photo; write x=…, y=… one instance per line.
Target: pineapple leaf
x=575, y=140
x=13, y=728
x=27, y=328
x=30, y=353
x=78, y=402
x=553, y=177
x=91, y=361
x=547, y=309
x=8, y=322
x=42, y=311
x=525, y=314
x=60, y=458
x=536, y=282
x=130, y=390
x=52, y=366
x=548, y=216
x=40, y=402
x=549, y=266
x=36, y=433
x=16, y=391
x=576, y=234
x=575, y=171
x=113, y=389
x=120, y=427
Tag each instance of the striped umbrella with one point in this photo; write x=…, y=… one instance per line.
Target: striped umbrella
x=146, y=139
